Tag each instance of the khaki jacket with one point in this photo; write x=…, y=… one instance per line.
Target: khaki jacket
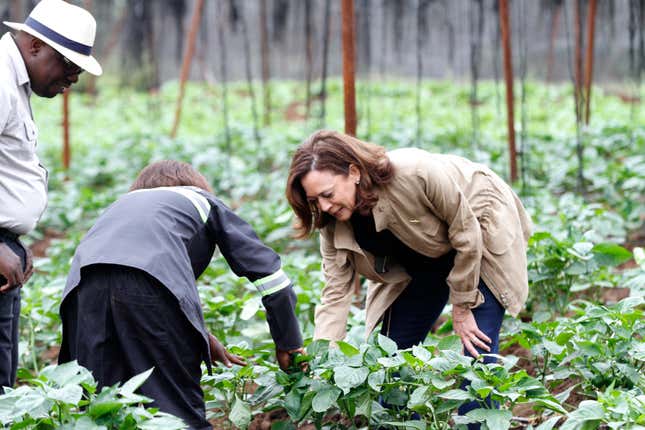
x=434, y=204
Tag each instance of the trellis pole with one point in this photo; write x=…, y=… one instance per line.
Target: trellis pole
x=591, y=27
x=66, y=146
x=266, y=65
x=185, y=67
x=349, y=89
x=508, y=77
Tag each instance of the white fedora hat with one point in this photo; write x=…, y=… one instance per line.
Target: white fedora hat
x=68, y=29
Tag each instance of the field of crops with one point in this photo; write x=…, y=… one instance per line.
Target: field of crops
x=575, y=359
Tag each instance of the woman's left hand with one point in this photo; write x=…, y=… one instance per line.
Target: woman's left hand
x=219, y=353
x=464, y=324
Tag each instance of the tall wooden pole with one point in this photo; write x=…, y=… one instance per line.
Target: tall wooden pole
x=66, y=147
x=349, y=58
x=508, y=77
x=578, y=60
x=266, y=65
x=591, y=28
x=555, y=22
x=188, y=57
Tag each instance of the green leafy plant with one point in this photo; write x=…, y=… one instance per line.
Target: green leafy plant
x=65, y=397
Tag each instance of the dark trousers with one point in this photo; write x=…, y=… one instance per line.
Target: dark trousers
x=411, y=316
x=120, y=322
x=10, y=319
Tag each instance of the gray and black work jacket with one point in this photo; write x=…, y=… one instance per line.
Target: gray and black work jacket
x=171, y=233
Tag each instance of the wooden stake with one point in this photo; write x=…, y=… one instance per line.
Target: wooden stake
x=555, y=22
x=309, y=55
x=188, y=57
x=349, y=66
x=508, y=77
x=578, y=61
x=266, y=65
x=66, y=147
x=591, y=27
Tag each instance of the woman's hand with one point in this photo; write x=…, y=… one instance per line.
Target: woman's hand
x=284, y=357
x=219, y=353
x=464, y=324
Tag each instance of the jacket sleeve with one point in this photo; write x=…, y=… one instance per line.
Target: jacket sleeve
x=448, y=202
x=331, y=314
x=249, y=257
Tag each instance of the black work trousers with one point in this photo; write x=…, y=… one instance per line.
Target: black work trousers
x=10, y=318
x=119, y=322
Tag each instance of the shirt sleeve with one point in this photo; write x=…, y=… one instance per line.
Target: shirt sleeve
x=249, y=257
x=331, y=314
x=449, y=203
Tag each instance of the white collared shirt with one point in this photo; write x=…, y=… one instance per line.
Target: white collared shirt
x=23, y=180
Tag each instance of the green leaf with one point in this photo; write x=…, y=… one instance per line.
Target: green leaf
x=240, y=414
x=588, y=410
x=283, y=425
x=414, y=425
x=457, y=394
x=610, y=254
x=250, y=308
x=552, y=347
x=70, y=394
x=86, y=423
x=498, y=419
x=418, y=397
x=389, y=362
x=165, y=421
x=347, y=349
x=421, y=353
x=375, y=379
x=135, y=382
x=548, y=424
x=347, y=377
x=388, y=345
x=450, y=343
x=98, y=409
x=639, y=257
x=325, y=398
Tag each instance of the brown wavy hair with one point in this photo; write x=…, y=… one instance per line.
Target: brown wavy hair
x=170, y=173
x=335, y=152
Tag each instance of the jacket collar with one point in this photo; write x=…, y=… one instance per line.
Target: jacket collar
x=382, y=210
x=344, y=237
x=344, y=234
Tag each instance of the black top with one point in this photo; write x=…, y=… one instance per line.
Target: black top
x=171, y=233
x=386, y=248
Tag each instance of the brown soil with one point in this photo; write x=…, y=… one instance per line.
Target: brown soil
x=50, y=355
x=295, y=111
x=39, y=248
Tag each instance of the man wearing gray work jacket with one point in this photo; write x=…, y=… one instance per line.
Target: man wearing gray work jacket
x=45, y=56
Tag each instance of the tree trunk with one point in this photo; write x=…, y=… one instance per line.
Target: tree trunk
x=185, y=67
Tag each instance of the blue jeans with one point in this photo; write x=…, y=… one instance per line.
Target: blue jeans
x=409, y=319
x=9, y=320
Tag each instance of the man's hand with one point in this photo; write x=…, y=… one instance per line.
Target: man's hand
x=464, y=324
x=219, y=353
x=30, y=264
x=284, y=358
x=11, y=269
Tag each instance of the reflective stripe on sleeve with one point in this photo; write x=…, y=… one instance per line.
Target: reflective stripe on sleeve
x=200, y=202
x=272, y=283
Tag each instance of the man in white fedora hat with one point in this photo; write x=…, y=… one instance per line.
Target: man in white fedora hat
x=45, y=56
